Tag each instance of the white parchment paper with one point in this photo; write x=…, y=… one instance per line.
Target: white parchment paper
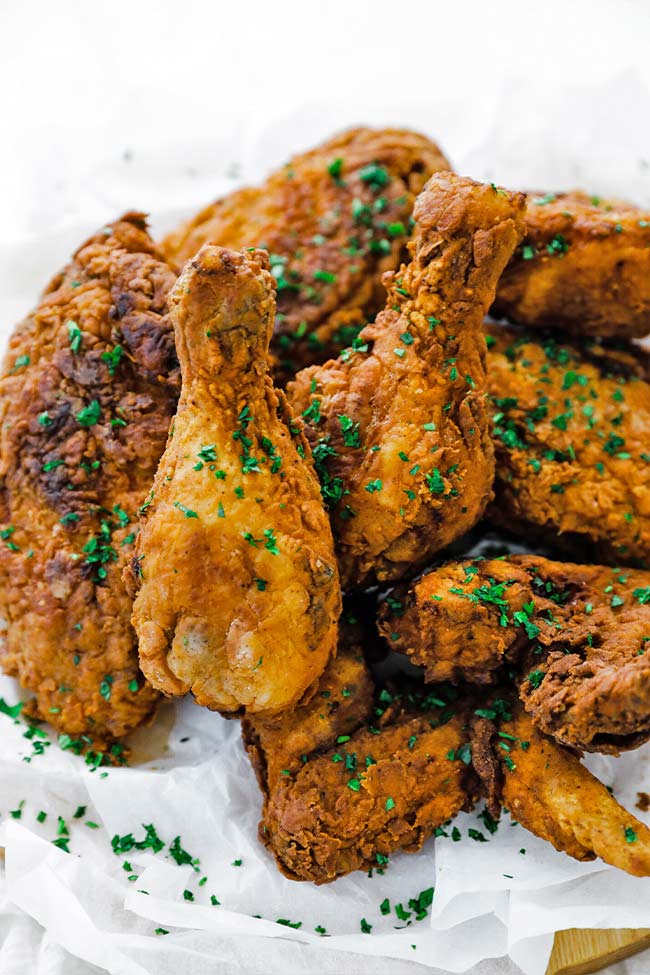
x=497, y=900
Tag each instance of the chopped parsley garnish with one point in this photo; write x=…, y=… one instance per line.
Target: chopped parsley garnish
x=89, y=415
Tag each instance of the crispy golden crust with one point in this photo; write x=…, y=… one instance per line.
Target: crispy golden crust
x=341, y=704
x=351, y=807
x=89, y=386
x=570, y=430
x=239, y=594
x=547, y=790
x=333, y=219
x=583, y=266
x=399, y=426
x=578, y=634
x=448, y=621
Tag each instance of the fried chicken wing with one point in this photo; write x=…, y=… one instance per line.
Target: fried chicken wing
x=385, y=789
x=577, y=636
x=583, y=266
x=238, y=592
x=89, y=386
x=570, y=427
x=398, y=423
x=547, y=790
x=333, y=219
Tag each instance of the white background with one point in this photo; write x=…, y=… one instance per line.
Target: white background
x=160, y=105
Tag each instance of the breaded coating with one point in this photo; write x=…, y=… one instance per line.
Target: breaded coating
x=454, y=620
x=571, y=426
x=333, y=220
x=89, y=386
x=583, y=266
x=547, y=790
x=384, y=790
x=341, y=704
x=238, y=591
x=398, y=423
x=578, y=637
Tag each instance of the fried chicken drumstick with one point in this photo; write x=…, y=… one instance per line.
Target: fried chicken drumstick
x=333, y=220
x=577, y=636
x=238, y=594
x=583, y=266
x=570, y=428
x=89, y=386
x=398, y=424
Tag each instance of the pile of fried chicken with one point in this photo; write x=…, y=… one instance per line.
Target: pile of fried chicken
x=295, y=397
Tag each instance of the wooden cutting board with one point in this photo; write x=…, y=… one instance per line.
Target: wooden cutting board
x=578, y=952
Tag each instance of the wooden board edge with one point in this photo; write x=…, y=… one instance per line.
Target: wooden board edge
x=578, y=951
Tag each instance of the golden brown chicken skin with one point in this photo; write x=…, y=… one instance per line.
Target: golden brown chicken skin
x=238, y=594
x=548, y=791
x=583, y=266
x=333, y=220
x=576, y=637
x=570, y=428
x=398, y=423
x=89, y=385
x=380, y=790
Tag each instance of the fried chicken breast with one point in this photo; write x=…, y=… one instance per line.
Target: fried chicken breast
x=583, y=266
x=398, y=423
x=576, y=639
x=570, y=429
x=333, y=220
x=238, y=594
x=88, y=388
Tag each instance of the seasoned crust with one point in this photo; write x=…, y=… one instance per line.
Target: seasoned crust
x=389, y=790
x=341, y=703
x=570, y=429
x=583, y=266
x=399, y=424
x=333, y=219
x=238, y=594
x=575, y=639
x=89, y=385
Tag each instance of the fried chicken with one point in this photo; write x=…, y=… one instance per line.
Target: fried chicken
x=583, y=266
x=548, y=791
x=571, y=426
x=333, y=219
x=89, y=386
x=576, y=637
x=357, y=798
x=343, y=701
x=398, y=423
x=238, y=594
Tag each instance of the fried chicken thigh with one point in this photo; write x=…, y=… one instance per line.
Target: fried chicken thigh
x=333, y=220
x=238, y=594
x=398, y=423
x=571, y=425
x=89, y=386
x=583, y=266
x=548, y=791
x=577, y=638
